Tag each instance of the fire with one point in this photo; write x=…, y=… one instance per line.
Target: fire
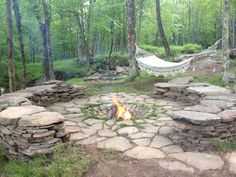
x=121, y=111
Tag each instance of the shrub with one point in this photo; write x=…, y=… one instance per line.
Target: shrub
x=117, y=59
x=191, y=48
x=160, y=52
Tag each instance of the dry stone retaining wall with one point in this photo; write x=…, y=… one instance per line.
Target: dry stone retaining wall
x=28, y=130
x=31, y=130
x=182, y=90
x=210, y=117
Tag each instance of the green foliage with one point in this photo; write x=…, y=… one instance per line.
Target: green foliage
x=187, y=49
x=70, y=66
x=66, y=161
x=191, y=48
x=117, y=59
x=34, y=71
x=225, y=145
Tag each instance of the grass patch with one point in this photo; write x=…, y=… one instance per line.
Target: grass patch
x=214, y=79
x=141, y=85
x=225, y=145
x=70, y=66
x=66, y=161
x=75, y=81
x=111, y=154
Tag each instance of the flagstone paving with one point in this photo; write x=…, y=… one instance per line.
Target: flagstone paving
x=148, y=137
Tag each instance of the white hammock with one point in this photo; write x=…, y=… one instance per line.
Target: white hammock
x=156, y=66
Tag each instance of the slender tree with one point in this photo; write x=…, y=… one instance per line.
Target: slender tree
x=112, y=33
x=225, y=42
x=141, y=6
x=83, y=47
x=161, y=30
x=11, y=73
x=132, y=40
x=21, y=42
x=44, y=26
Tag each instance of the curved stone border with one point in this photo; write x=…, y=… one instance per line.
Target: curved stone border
x=30, y=130
x=211, y=118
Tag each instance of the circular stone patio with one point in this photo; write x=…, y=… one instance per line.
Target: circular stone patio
x=148, y=137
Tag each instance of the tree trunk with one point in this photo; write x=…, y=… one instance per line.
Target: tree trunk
x=225, y=43
x=32, y=48
x=48, y=63
x=11, y=73
x=112, y=35
x=161, y=30
x=234, y=30
x=125, y=26
x=82, y=42
x=140, y=19
x=189, y=21
x=21, y=42
x=44, y=26
x=132, y=40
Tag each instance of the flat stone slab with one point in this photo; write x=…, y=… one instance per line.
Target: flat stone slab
x=172, y=149
x=140, y=152
x=141, y=135
x=107, y=133
x=148, y=128
x=41, y=119
x=91, y=140
x=93, y=121
x=231, y=97
x=128, y=130
x=142, y=141
x=160, y=141
x=182, y=80
x=198, y=118
x=228, y=115
x=175, y=166
x=72, y=129
x=203, y=108
x=218, y=103
x=116, y=143
x=208, y=90
x=202, y=161
x=11, y=114
x=231, y=157
x=166, y=85
x=78, y=136
x=165, y=130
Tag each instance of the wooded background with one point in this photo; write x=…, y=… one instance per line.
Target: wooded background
x=103, y=24
x=52, y=30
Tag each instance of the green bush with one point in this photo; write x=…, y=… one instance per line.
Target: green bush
x=34, y=71
x=176, y=50
x=191, y=48
x=117, y=59
x=158, y=51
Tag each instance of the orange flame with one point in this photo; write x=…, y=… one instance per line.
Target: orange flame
x=121, y=111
